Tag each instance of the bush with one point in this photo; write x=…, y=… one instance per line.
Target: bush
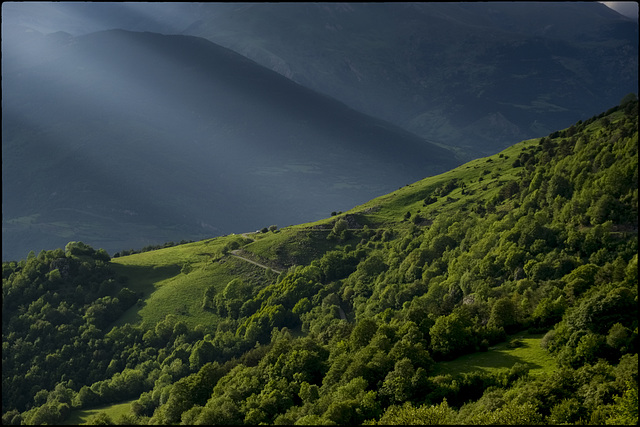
x=515, y=343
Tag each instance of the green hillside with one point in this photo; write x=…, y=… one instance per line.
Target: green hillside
x=501, y=292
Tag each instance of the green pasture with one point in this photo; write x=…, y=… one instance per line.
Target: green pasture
x=480, y=187
x=501, y=356
x=81, y=416
x=294, y=245
x=173, y=280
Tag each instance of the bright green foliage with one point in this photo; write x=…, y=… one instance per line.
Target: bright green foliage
x=100, y=419
x=396, y=312
x=340, y=229
x=510, y=414
x=452, y=335
x=202, y=353
x=504, y=314
x=624, y=411
x=407, y=414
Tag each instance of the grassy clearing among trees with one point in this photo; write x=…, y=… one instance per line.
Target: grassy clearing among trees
x=173, y=280
x=94, y=415
x=503, y=355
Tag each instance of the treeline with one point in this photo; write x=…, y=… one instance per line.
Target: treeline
x=354, y=335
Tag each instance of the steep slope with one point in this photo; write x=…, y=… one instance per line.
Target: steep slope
x=540, y=238
x=476, y=76
x=123, y=139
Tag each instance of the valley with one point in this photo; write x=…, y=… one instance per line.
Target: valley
x=115, y=135
x=453, y=73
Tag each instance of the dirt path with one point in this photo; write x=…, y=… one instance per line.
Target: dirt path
x=235, y=254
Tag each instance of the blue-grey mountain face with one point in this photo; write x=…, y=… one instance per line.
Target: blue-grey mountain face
x=477, y=76
x=123, y=139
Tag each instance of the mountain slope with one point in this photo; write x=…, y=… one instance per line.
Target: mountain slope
x=476, y=76
x=541, y=237
x=123, y=139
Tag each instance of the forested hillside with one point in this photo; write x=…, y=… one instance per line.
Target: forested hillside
x=353, y=319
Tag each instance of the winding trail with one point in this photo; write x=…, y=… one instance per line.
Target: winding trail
x=235, y=254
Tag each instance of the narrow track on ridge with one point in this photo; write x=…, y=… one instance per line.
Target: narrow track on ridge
x=235, y=254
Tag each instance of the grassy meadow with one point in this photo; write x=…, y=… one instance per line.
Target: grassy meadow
x=501, y=356
x=173, y=280
x=482, y=178
x=81, y=416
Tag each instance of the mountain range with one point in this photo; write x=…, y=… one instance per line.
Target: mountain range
x=475, y=76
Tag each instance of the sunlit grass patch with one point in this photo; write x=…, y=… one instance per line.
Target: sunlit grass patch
x=81, y=416
x=291, y=246
x=482, y=179
x=173, y=281
x=501, y=356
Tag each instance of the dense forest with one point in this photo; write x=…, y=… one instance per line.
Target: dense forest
x=357, y=312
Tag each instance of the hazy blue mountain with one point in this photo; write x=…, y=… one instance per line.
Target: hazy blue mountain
x=122, y=139
x=477, y=76
x=80, y=18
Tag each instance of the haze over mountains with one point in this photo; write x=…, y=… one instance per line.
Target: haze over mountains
x=475, y=76
x=123, y=139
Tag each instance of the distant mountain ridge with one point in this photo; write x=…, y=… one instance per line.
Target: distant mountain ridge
x=125, y=139
x=473, y=75
x=476, y=76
